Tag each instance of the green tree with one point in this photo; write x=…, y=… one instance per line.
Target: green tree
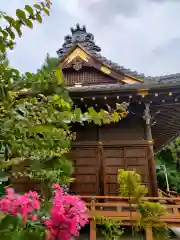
x=131, y=186
x=50, y=63
x=36, y=111
x=9, y=76
x=150, y=212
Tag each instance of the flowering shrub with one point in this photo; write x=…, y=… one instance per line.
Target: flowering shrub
x=25, y=205
x=67, y=214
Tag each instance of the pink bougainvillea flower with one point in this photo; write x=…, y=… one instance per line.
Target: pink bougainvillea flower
x=34, y=217
x=10, y=192
x=26, y=205
x=68, y=213
x=55, y=186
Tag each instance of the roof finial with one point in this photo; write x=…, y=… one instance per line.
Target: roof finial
x=81, y=36
x=78, y=28
x=84, y=28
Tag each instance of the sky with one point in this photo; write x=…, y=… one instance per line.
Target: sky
x=143, y=35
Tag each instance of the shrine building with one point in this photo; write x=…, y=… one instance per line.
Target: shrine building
x=152, y=121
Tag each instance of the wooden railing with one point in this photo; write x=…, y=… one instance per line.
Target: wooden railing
x=119, y=208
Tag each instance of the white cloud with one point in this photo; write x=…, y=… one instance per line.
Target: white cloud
x=140, y=34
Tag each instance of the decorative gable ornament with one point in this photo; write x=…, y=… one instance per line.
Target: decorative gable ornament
x=77, y=66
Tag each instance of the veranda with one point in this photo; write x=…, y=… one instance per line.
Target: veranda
x=118, y=208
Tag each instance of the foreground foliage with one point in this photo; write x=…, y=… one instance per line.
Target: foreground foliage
x=150, y=212
x=11, y=79
x=35, y=116
x=130, y=185
x=109, y=228
x=168, y=162
x=14, y=25
x=36, y=112
x=23, y=218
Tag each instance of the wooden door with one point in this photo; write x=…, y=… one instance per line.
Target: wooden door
x=86, y=170
x=123, y=157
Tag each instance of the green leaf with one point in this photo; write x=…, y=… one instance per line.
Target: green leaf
x=5, y=34
x=8, y=18
x=9, y=222
x=11, y=44
x=42, y=4
x=28, y=74
x=33, y=232
x=2, y=47
x=17, y=27
x=28, y=23
x=97, y=121
x=59, y=76
x=37, y=6
x=42, y=128
x=11, y=33
x=2, y=216
x=39, y=18
x=77, y=113
x=20, y=14
x=46, y=10
x=56, y=97
x=15, y=72
x=29, y=9
x=119, y=107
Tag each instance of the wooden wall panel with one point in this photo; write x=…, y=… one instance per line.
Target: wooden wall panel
x=135, y=161
x=86, y=76
x=86, y=168
x=113, y=152
x=128, y=129
x=114, y=161
x=122, y=147
x=87, y=132
x=135, y=152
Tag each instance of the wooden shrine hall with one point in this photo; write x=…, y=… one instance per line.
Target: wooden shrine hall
x=152, y=121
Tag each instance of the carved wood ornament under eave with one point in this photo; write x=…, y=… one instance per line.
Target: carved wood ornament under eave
x=77, y=63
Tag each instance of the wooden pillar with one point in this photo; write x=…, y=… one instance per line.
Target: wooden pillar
x=92, y=229
x=151, y=162
x=149, y=234
x=102, y=186
x=93, y=221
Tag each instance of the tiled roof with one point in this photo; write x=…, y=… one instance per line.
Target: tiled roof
x=159, y=79
x=80, y=36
